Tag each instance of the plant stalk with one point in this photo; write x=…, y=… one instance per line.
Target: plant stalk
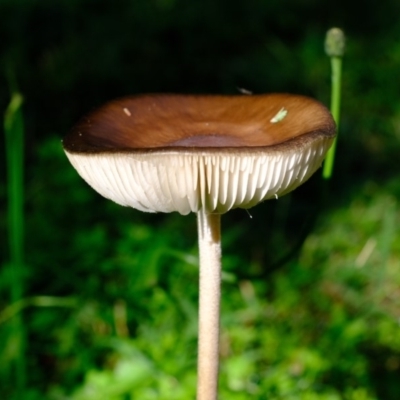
x=209, y=231
x=335, y=43
x=336, y=65
x=14, y=137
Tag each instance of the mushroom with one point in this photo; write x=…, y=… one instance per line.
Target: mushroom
x=205, y=154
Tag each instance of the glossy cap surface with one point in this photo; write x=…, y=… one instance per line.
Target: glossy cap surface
x=164, y=153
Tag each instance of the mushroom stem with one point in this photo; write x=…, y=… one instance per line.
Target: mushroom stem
x=209, y=304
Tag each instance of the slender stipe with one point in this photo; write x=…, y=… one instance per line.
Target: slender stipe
x=209, y=304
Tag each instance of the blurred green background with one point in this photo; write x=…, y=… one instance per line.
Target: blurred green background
x=311, y=285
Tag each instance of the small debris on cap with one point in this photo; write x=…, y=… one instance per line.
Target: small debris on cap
x=244, y=91
x=279, y=116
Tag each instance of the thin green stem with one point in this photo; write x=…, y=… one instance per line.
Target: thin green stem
x=36, y=301
x=14, y=138
x=336, y=65
x=13, y=127
x=334, y=48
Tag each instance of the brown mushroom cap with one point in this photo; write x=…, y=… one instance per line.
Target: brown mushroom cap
x=163, y=153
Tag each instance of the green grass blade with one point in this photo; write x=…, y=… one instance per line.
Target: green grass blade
x=14, y=141
x=14, y=132
x=36, y=301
